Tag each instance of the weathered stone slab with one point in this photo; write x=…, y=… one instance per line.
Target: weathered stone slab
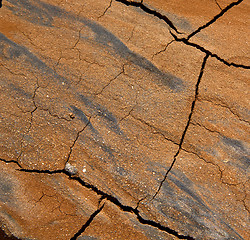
x=126, y=104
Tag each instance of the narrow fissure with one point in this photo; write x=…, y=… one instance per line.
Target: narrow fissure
x=30, y=123
x=77, y=136
x=224, y=105
x=87, y=223
x=218, y=4
x=109, y=6
x=113, y=79
x=215, y=18
x=11, y=161
x=187, y=125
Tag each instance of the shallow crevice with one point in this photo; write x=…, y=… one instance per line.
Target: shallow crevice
x=245, y=197
x=55, y=115
x=34, y=103
x=108, y=7
x=224, y=105
x=187, y=125
x=77, y=136
x=30, y=123
x=78, y=39
x=30, y=40
x=13, y=73
x=206, y=128
x=163, y=50
x=155, y=130
x=128, y=114
x=110, y=81
x=132, y=34
x=221, y=177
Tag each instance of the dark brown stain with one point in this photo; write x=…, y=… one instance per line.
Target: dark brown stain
x=4, y=236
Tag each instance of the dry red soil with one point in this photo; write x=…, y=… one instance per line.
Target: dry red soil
x=124, y=119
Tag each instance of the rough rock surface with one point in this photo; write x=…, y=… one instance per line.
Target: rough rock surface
x=124, y=119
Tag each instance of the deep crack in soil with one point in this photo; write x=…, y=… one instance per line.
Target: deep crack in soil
x=109, y=198
x=187, y=125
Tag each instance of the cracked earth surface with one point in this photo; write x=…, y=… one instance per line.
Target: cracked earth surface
x=124, y=119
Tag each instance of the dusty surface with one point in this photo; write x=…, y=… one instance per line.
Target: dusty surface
x=124, y=119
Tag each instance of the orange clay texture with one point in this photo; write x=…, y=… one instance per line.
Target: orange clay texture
x=124, y=119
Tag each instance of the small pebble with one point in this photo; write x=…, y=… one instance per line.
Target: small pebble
x=72, y=170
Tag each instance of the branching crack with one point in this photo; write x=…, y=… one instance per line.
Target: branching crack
x=186, y=40
x=187, y=125
x=202, y=49
x=221, y=176
x=110, y=81
x=110, y=198
x=163, y=50
x=215, y=18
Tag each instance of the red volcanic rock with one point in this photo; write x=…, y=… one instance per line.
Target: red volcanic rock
x=124, y=119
